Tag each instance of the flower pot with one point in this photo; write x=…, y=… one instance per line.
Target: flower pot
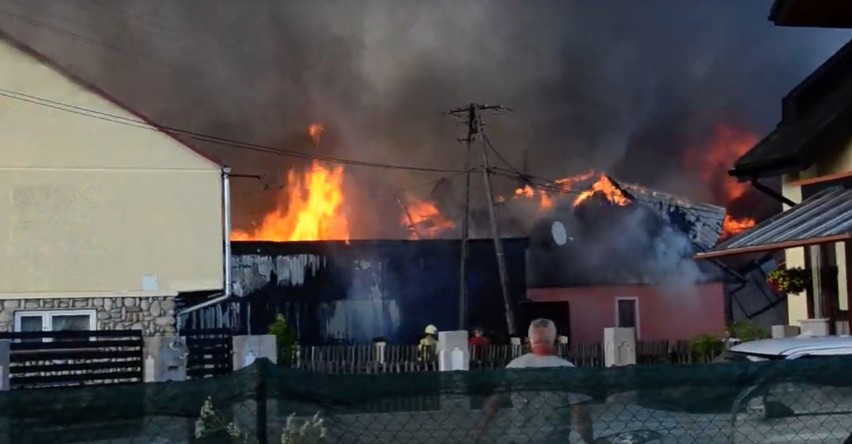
x=774, y=287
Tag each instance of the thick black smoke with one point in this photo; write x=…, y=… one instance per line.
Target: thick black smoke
x=623, y=87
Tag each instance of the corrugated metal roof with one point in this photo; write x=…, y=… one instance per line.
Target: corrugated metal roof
x=825, y=217
x=701, y=222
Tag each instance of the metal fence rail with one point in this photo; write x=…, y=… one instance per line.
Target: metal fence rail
x=72, y=358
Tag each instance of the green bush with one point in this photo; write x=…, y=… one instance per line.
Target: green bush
x=747, y=331
x=706, y=347
x=285, y=340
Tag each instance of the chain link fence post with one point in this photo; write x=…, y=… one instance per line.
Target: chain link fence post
x=260, y=398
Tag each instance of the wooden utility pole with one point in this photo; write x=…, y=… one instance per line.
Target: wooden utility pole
x=471, y=131
x=474, y=126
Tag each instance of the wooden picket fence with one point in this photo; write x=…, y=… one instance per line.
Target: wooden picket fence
x=666, y=352
x=368, y=359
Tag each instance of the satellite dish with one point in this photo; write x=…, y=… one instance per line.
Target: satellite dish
x=557, y=231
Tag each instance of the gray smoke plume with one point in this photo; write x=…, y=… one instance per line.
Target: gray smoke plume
x=613, y=245
x=623, y=87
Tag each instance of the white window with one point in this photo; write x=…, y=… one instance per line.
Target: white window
x=627, y=313
x=55, y=320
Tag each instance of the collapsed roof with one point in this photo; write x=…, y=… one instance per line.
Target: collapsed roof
x=644, y=237
x=701, y=222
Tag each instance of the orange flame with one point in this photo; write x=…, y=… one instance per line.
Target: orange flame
x=603, y=186
x=311, y=209
x=526, y=191
x=712, y=162
x=714, y=159
x=424, y=220
x=315, y=130
x=568, y=184
x=732, y=227
x=545, y=201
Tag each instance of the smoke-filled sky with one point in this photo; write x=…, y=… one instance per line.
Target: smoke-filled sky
x=625, y=87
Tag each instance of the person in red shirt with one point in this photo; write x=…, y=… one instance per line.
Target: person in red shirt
x=478, y=339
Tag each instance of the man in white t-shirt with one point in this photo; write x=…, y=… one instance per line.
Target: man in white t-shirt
x=543, y=416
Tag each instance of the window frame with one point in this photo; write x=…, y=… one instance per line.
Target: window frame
x=48, y=315
x=635, y=301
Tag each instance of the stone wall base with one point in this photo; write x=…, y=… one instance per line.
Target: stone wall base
x=152, y=315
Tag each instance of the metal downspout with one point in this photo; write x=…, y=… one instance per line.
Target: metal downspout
x=226, y=237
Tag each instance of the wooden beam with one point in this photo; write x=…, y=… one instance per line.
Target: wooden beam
x=848, y=248
x=822, y=179
x=828, y=285
x=774, y=246
x=809, y=291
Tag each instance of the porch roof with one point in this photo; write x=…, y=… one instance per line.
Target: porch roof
x=823, y=218
x=811, y=13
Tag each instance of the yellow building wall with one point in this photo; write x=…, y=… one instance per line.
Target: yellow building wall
x=89, y=206
x=838, y=162
x=797, y=309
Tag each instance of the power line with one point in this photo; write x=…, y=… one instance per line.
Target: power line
x=524, y=178
x=435, y=182
x=544, y=184
x=223, y=141
x=529, y=179
x=25, y=5
x=539, y=183
x=141, y=18
x=536, y=182
x=89, y=40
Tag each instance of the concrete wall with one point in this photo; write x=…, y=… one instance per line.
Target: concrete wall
x=91, y=206
x=664, y=313
x=838, y=162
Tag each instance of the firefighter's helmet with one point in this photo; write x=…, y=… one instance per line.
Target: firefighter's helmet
x=431, y=329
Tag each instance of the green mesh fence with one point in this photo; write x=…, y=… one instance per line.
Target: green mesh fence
x=800, y=401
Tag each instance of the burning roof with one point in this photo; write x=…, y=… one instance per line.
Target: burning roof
x=314, y=205
x=623, y=234
x=702, y=223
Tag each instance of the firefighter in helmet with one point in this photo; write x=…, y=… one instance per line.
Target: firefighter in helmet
x=429, y=342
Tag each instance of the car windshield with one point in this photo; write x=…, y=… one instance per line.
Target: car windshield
x=731, y=356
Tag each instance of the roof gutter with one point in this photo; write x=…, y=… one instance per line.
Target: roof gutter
x=780, y=8
x=771, y=193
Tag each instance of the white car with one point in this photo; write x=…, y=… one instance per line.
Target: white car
x=787, y=410
x=789, y=348
x=778, y=408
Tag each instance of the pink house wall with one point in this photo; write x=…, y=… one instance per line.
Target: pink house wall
x=664, y=313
